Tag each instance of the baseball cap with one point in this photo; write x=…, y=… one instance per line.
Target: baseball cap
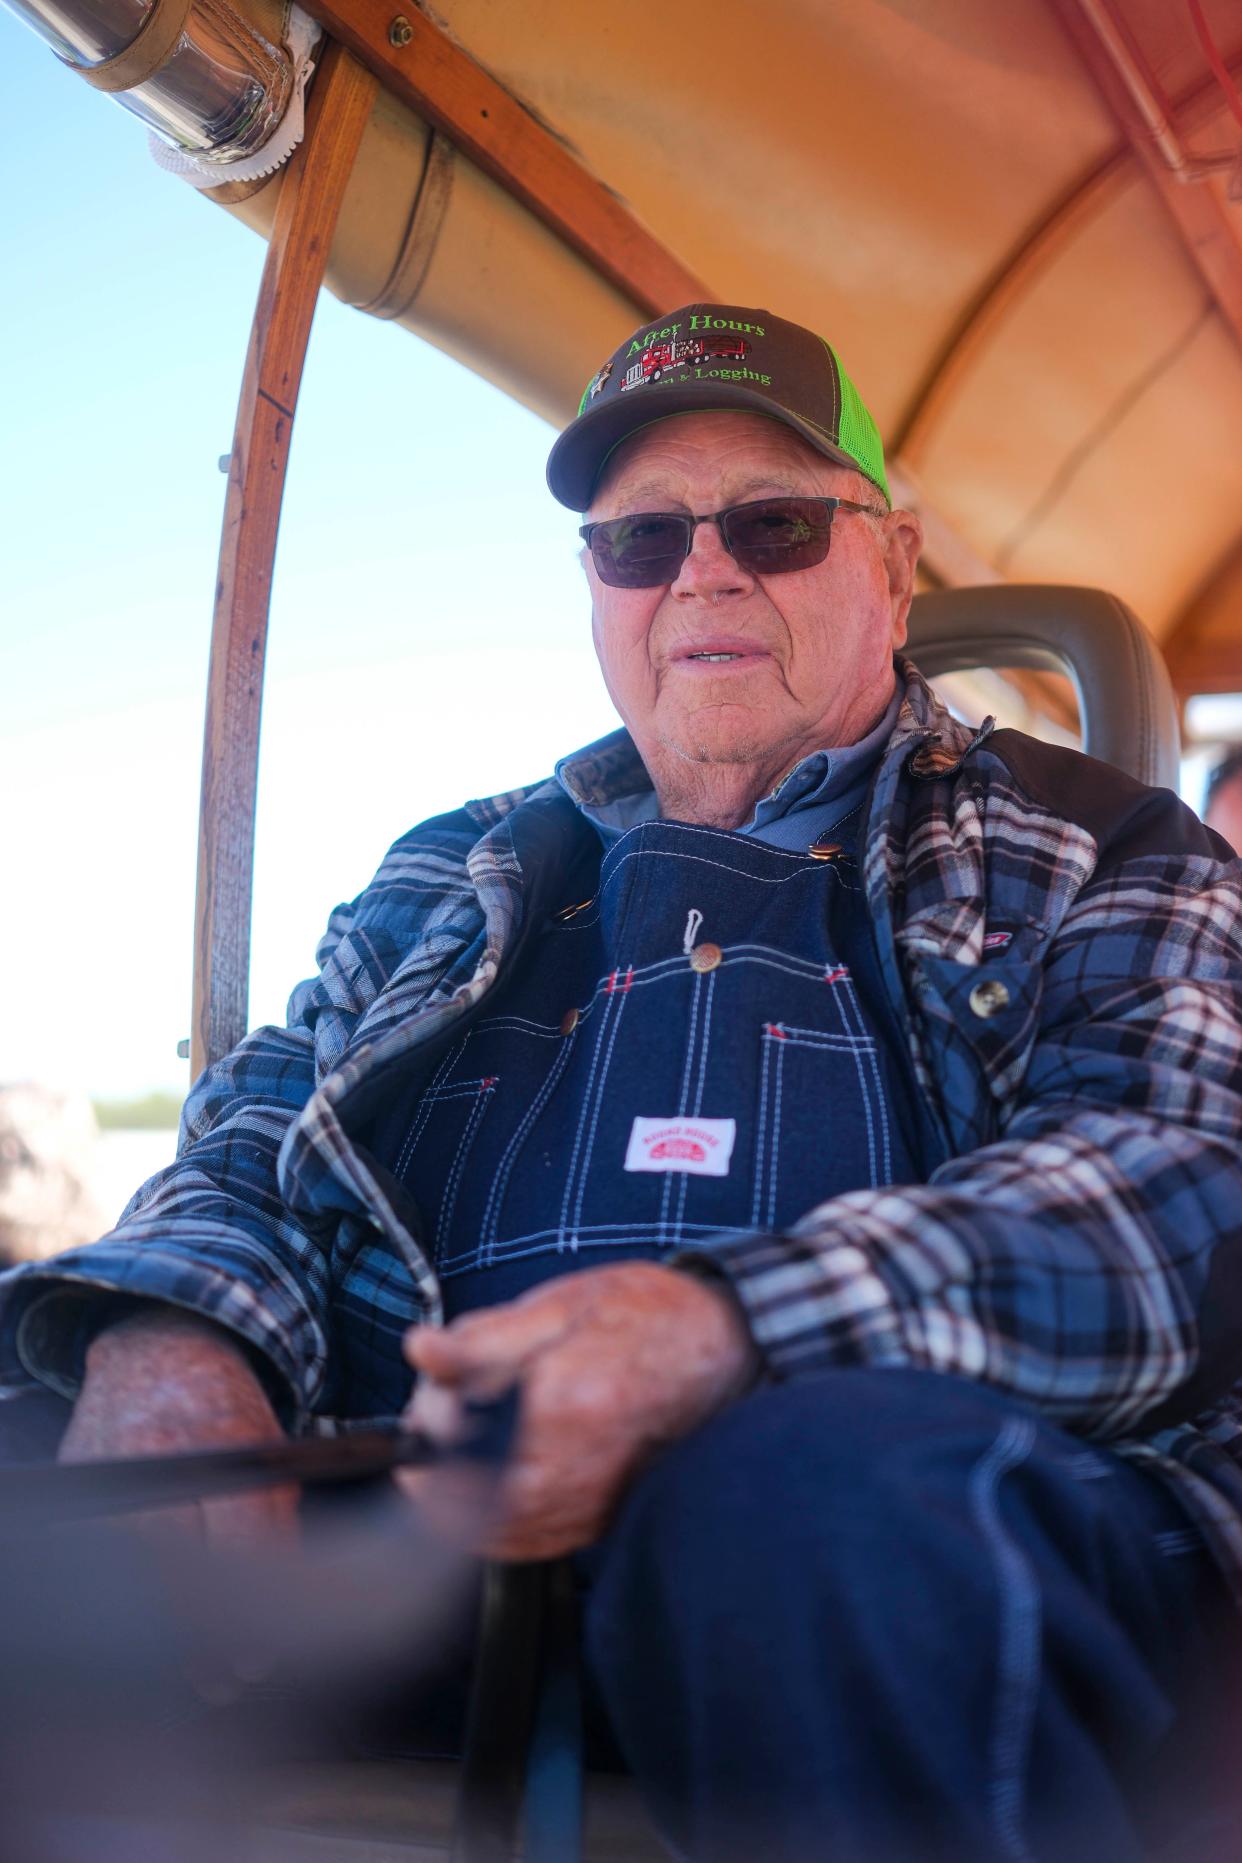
x=716, y=356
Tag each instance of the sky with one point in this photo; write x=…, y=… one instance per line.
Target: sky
x=429, y=637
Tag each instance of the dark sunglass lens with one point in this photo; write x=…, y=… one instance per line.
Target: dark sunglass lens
x=779, y=534
x=641, y=551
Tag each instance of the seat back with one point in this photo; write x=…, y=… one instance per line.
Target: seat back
x=1125, y=701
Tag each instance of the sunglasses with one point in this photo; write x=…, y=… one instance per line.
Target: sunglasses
x=769, y=537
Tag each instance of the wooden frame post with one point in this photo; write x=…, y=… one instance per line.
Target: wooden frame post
x=311, y=192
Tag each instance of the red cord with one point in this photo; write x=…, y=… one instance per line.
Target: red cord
x=1219, y=68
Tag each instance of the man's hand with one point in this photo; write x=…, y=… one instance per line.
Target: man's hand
x=612, y=1364
x=160, y=1382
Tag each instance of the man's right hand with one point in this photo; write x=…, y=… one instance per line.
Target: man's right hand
x=162, y=1381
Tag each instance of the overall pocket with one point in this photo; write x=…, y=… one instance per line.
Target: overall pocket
x=475, y=1154
x=438, y=1146
x=821, y=1123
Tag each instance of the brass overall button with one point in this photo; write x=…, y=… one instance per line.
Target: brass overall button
x=569, y=1021
x=989, y=998
x=825, y=850
x=706, y=957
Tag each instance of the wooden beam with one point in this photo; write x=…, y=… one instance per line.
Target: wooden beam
x=1018, y=271
x=1130, y=91
x=422, y=65
x=1195, y=666
x=311, y=191
x=1000, y=293
x=1214, y=668
x=1190, y=668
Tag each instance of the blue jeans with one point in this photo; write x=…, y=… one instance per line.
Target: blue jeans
x=894, y=1617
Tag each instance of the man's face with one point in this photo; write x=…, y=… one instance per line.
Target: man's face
x=813, y=647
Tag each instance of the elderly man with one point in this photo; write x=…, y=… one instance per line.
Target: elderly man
x=827, y=1116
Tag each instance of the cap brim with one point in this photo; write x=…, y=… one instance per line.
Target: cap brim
x=577, y=457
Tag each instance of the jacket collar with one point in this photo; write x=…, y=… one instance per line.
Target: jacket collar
x=611, y=767
x=927, y=736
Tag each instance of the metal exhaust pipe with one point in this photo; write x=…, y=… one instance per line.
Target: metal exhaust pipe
x=201, y=77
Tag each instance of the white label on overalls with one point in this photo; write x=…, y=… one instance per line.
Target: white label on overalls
x=701, y=1146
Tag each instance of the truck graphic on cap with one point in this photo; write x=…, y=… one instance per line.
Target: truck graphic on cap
x=659, y=357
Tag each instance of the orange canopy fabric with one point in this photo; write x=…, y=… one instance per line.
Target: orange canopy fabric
x=940, y=187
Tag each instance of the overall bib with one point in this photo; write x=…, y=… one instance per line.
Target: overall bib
x=704, y=1046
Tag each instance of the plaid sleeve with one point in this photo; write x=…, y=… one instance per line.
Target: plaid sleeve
x=1089, y=1258
x=211, y=1233
x=218, y=1233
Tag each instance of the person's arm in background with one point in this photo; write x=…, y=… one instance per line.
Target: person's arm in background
x=164, y=1381
x=202, y=1318
x=209, y=1236
x=202, y=1313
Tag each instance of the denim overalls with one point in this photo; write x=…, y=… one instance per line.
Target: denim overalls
x=702, y=1046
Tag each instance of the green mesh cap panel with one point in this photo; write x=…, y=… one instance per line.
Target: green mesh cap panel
x=858, y=434
x=708, y=357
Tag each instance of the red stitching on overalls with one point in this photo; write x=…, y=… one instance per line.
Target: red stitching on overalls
x=770, y=1028
x=836, y=976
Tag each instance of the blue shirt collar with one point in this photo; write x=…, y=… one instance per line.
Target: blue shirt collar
x=823, y=781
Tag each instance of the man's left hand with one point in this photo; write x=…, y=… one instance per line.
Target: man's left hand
x=611, y=1364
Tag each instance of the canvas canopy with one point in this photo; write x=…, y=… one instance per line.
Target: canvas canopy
x=947, y=189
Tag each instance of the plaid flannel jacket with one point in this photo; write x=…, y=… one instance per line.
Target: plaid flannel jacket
x=1080, y=1247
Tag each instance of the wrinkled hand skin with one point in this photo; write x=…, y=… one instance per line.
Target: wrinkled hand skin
x=612, y=1364
x=161, y=1382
